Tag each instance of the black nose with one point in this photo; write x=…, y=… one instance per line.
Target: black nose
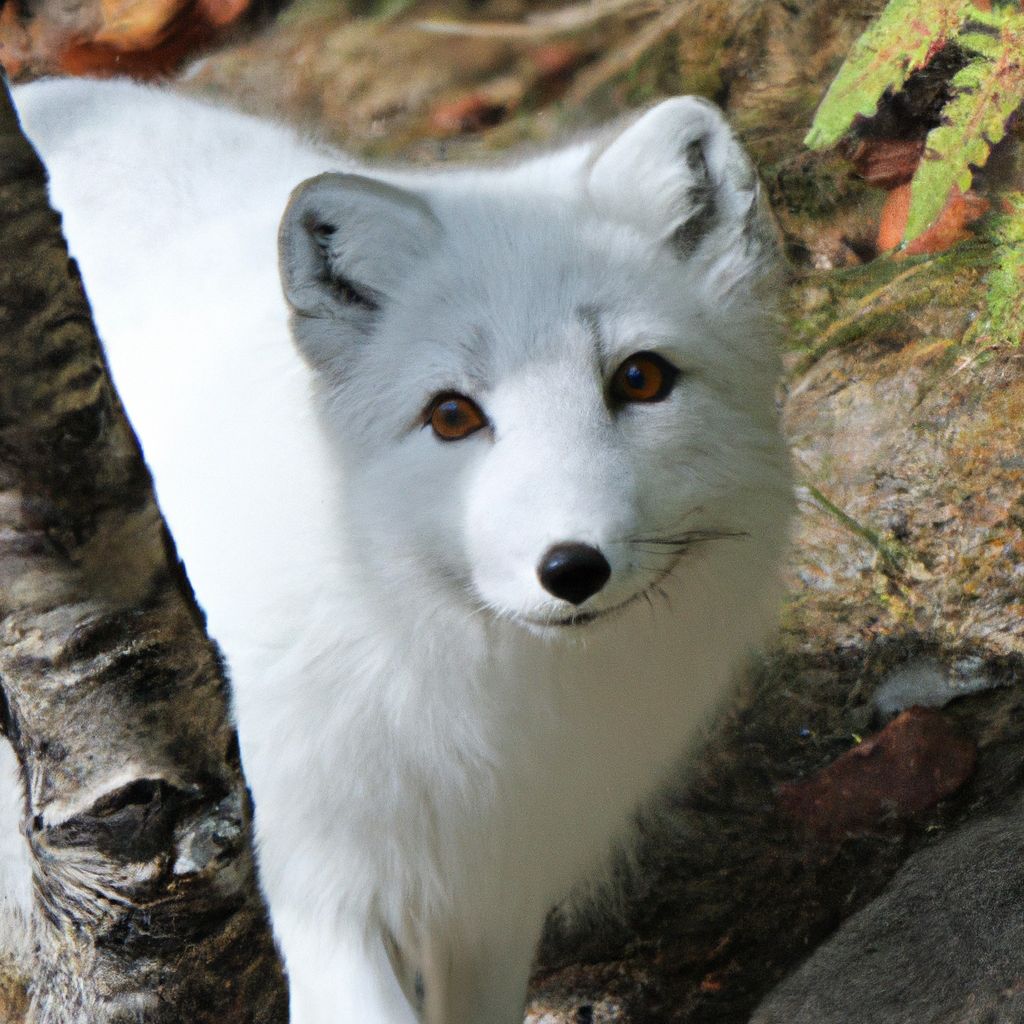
x=573, y=572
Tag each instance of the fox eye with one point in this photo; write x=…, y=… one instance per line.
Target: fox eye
x=452, y=416
x=643, y=377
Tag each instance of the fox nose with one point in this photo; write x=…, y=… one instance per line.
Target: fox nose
x=573, y=571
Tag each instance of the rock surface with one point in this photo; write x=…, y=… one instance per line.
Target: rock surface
x=943, y=945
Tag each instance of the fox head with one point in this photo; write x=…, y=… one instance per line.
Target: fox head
x=551, y=386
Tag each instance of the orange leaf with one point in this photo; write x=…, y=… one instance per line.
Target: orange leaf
x=220, y=13
x=557, y=60
x=467, y=114
x=894, y=217
x=181, y=38
x=887, y=162
x=134, y=24
x=15, y=45
x=949, y=228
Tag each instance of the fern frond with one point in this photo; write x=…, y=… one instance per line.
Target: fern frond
x=907, y=34
x=986, y=91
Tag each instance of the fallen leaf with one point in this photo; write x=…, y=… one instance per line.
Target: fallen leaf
x=887, y=163
x=134, y=24
x=917, y=760
x=893, y=221
x=221, y=13
x=712, y=983
x=184, y=37
x=557, y=60
x=961, y=209
x=467, y=114
x=14, y=40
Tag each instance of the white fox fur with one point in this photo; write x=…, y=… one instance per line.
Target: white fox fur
x=439, y=748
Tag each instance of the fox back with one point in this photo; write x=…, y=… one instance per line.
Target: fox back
x=485, y=511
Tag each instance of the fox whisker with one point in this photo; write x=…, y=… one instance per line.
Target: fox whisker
x=684, y=540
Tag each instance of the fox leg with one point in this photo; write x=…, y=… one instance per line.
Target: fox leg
x=482, y=983
x=338, y=977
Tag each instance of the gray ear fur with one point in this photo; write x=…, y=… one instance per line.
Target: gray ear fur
x=347, y=243
x=679, y=174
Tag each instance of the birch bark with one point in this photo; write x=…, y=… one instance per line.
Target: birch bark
x=146, y=907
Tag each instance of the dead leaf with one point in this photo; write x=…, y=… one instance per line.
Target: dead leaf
x=951, y=226
x=887, y=163
x=14, y=40
x=470, y=113
x=960, y=210
x=914, y=762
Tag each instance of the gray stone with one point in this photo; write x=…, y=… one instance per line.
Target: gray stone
x=944, y=944
x=927, y=684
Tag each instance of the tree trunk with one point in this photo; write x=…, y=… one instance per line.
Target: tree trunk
x=146, y=904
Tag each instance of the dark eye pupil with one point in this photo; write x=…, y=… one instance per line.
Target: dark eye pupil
x=453, y=414
x=635, y=377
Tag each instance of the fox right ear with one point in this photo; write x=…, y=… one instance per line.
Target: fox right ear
x=680, y=175
x=347, y=244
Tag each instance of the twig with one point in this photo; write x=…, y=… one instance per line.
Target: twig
x=892, y=554
x=619, y=61
x=574, y=18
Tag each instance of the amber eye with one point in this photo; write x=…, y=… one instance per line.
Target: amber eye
x=453, y=417
x=643, y=377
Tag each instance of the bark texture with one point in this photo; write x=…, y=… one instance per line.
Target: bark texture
x=146, y=902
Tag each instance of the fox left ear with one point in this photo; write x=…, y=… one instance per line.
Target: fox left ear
x=679, y=174
x=347, y=245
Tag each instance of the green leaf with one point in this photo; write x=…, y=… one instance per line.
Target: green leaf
x=905, y=37
x=986, y=93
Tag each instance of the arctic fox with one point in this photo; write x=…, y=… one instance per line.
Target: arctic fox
x=485, y=545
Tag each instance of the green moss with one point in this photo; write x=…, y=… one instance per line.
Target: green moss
x=890, y=300
x=815, y=186
x=655, y=75
x=1004, y=299
x=902, y=39
x=938, y=370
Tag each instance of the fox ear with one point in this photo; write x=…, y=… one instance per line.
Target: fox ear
x=679, y=174
x=347, y=243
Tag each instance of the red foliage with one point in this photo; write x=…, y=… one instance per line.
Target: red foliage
x=557, y=60
x=887, y=162
x=893, y=221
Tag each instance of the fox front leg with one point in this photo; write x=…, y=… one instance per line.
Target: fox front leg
x=478, y=983
x=339, y=973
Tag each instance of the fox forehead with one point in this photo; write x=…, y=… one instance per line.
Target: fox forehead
x=656, y=241
x=500, y=294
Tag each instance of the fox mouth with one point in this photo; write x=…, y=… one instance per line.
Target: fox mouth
x=678, y=547
x=570, y=621
x=578, y=620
